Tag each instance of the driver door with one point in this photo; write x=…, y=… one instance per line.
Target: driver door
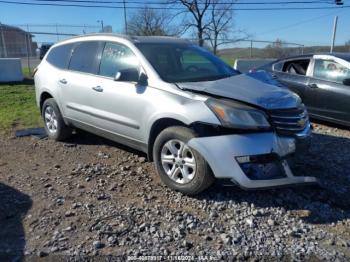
x=119, y=104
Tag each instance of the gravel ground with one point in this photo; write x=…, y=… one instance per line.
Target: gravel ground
x=91, y=198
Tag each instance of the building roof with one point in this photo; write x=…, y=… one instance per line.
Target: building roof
x=5, y=27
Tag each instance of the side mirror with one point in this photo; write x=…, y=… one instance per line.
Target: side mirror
x=143, y=79
x=346, y=82
x=127, y=75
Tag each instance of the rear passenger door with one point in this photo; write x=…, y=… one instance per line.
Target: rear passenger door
x=77, y=83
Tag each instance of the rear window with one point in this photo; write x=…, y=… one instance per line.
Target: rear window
x=296, y=67
x=59, y=56
x=85, y=57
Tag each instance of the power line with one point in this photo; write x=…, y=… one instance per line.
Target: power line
x=297, y=23
x=165, y=3
x=57, y=25
x=171, y=8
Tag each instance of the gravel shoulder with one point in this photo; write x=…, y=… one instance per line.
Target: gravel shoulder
x=90, y=197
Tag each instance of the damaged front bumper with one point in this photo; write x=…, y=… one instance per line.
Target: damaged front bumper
x=252, y=161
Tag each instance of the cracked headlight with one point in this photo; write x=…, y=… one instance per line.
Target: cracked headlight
x=233, y=114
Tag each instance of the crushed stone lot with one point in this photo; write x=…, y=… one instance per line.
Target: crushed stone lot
x=90, y=197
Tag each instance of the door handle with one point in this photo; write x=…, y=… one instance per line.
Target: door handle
x=63, y=81
x=98, y=89
x=313, y=85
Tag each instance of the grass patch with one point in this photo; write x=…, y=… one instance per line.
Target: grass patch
x=27, y=72
x=228, y=59
x=18, y=107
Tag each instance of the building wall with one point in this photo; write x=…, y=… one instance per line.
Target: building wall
x=17, y=42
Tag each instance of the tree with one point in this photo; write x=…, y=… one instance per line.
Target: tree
x=211, y=19
x=220, y=28
x=198, y=10
x=277, y=49
x=148, y=22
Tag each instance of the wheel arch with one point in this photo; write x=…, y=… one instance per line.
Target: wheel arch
x=158, y=126
x=44, y=96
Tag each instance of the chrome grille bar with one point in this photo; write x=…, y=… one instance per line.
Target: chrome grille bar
x=289, y=121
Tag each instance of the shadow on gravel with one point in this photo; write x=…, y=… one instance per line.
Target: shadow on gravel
x=85, y=138
x=13, y=207
x=329, y=161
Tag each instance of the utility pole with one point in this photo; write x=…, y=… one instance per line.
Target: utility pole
x=251, y=49
x=102, y=27
x=29, y=47
x=58, y=38
x=3, y=43
x=334, y=32
x=125, y=22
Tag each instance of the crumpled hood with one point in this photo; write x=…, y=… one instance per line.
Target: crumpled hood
x=249, y=90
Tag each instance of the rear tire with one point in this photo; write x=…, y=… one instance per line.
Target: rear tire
x=54, y=124
x=180, y=167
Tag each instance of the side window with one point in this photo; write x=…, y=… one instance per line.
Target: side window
x=59, y=56
x=330, y=70
x=278, y=66
x=85, y=57
x=119, y=58
x=296, y=67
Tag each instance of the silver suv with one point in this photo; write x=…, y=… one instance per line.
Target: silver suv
x=193, y=115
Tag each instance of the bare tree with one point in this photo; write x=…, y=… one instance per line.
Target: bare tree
x=150, y=22
x=212, y=20
x=276, y=49
x=198, y=10
x=220, y=26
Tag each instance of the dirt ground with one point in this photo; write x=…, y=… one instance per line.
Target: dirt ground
x=55, y=196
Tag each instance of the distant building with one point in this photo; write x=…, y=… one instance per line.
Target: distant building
x=15, y=42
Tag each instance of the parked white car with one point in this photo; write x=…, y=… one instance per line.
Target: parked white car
x=195, y=116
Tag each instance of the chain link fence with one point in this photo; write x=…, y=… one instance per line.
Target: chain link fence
x=30, y=42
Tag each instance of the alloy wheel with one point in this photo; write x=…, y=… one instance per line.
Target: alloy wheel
x=178, y=161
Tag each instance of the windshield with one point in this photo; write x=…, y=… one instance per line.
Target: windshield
x=184, y=62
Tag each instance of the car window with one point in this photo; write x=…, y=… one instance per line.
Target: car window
x=194, y=62
x=330, y=70
x=278, y=66
x=59, y=56
x=184, y=62
x=296, y=67
x=84, y=57
x=117, y=58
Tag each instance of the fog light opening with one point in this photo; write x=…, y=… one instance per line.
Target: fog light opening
x=261, y=167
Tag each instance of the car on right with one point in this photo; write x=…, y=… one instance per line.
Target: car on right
x=43, y=49
x=321, y=80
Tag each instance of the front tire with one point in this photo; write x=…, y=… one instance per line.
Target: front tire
x=180, y=167
x=55, y=127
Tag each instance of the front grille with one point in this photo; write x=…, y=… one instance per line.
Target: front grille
x=289, y=121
